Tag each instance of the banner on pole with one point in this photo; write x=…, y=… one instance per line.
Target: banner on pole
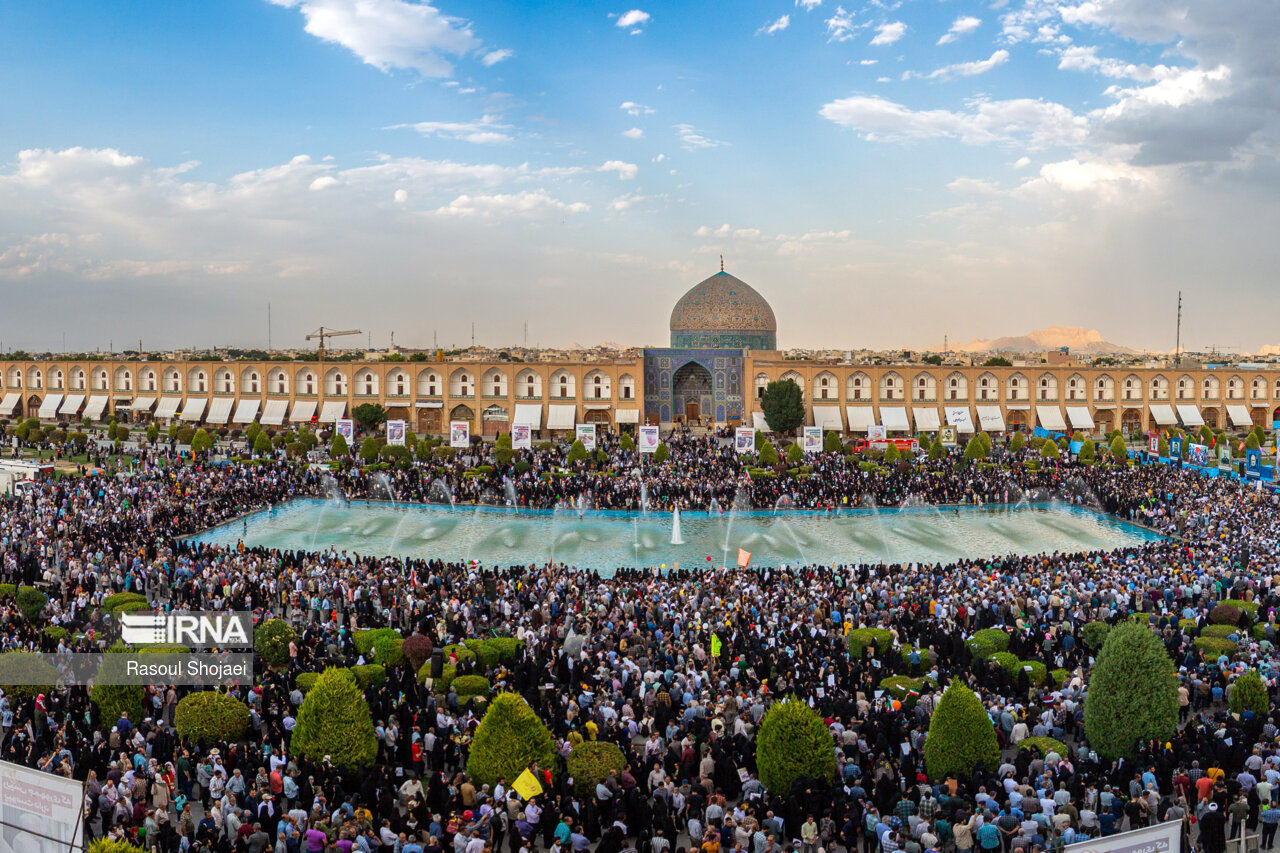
x=811, y=441
x=876, y=432
x=521, y=437
x=395, y=433
x=39, y=811
x=346, y=428
x=744, y=440
x=648, y=435
x=459, y=433
x=586, y=433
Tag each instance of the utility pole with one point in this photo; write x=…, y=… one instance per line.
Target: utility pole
x=1177, y=347
x=268, y=327
x=473, y=333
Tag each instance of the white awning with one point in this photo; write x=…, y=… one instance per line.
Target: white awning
x=1104, y=405
x=96, y=406
x=592, y=407
x=927, y=419
x=194, y=409
x=1080, y=417
x=1017, y=407
x=142, y=404
x=1239, y=416
x=49, y=407
x=861, y=418
x=9, y=403
x=1189, y=415
x=428, y=404
x=561, y=416
x=71, y=405
x=1163, y=414
x=303, y=411
x=758, y=421
x=246, y=411
x=168, y=407
x=528, y=414
x=220, y=410
x=894, y=418
x=273, y=414
x=828, y=418
x=959, y=417
x=990, y=419
x=627, y=416
x=331, y=411
x=1050, y=417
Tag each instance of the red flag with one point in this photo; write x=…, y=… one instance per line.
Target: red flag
x=744, y=558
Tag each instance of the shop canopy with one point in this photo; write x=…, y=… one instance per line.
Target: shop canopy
x=561, y=416
x=828, y=418
x=927, y=419
x=142, y=404
x=1239, y=416
x=246, y=411
x=528, y=414
x=273, y=414
x=894, y=418
x=332, y=410
x=624, y=416
x=1080, y=417
x=9, y=403
x=49, y=406
x=220, y=410
x=168, y=407
x=990, y=419
x=71, y=406
x=1050, y=417
x=1163, y=414
x=861, y=418
x=1189, y=415
x=960, y=418
x=96, y=406
x=194, y=409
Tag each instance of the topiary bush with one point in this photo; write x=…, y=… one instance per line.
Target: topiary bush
x=961, y=736
x=589, y=764
x=306, y=680
x=1046, y=745
x=271, y=641
x=1008, y=661
x=1132, y=692
x=30, y=601
x=793, y=742
x=334, y=721
x=208, y=716
x=111, y=845
x=1061, y=676
x=113, y=601
x=55, y=632
x=508, y=740
x=364, y=638
x=416, y=649
x=1037, y=673
x=471, y=685
x=26, y=667
x=1094, y=634
x=1250, y=608
x=1222, y=632
x=987, y=641
x=114, y=700
x=441, y=684
x=464, y=654
x=1215, y=646
x=369, y=675
x=387, y=651
x=862, y=638
x=1250, y=694
x=1225, y=614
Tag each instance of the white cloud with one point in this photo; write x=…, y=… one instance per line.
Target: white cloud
x=493, y=57
x=323, y=182
x=809, y=5
x=841, y=26
x=889, y=33
x=487, y=129
x=868, y=61
x=959, y=27
x=964, y=69
x=631, y=108
x=1035, y=123
x=633, y=20
x=626, y=171
x=625, y=202
x=633, y=133
x=401, y=196
x=389, y=34
x=706, y=231
x=1022, y=163
x=693, y=139
x=522, y=205
x=777, y=26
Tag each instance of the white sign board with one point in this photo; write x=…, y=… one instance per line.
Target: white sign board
x=812, y=440
x=648, y=438
x=744, y=440
x=346, y=428
x=1162, y=838
x=876, y=432
x=395, y=433
x=521, y=437
x=586, y=433
x=40, y=811
x=459, y=433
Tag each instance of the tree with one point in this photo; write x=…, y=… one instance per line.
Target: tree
x=153, y=433
x=201, y=441
x=334, y=721
x=1132, y=693
x=768, y=454
x=1164, y=444
x=783, y=406
x=1252, y=442
x=262, y=444
x=369, y=450
x=662, y=454
x=1049, y=450
x=577, y=452
x=1087, y=451
x=976, y=449
x=1018, y=442
x=793, y=743
x=502, y=451
x=251, y=432
x=997, y=361
x=1250, y=694
x=590, y=762
x=370, y=416
x=271, y=641
x=831, y=442
x=508, y=740
x=891, y=454
x=932, y=358
x=961, y=736
x=208, y=716
x=936, y=450
x=627, y=443
x=795, y=455
x=113, y=701
x=1118, y=450
x=338, y=447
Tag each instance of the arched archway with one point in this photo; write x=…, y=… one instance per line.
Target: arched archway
x=691, y=391
x=1131, y=421
x=1017, y=420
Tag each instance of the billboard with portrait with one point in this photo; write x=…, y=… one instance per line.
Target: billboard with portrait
x=459, y=433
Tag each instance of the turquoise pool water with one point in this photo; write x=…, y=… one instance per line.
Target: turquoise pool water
x=609, y=539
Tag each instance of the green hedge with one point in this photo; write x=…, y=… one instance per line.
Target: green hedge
x=1046, y=745
x=7, y=590
x=495, y=650
x=471, y=685
x=1061, y=676
x=1250, y=694
x=1215, y=646
x=589, y=764
x=1038, y=672
x=793, y=742
x=508, y=740
x=30, y=665
x=334, y=721
x=987, y=641
x=1094, y=634
x=1249, y=607
x=364, y=638
x=209, y=716
x=387, y=651
x=1008, y=660
x=860, y=639
x=271, y=641
x=960, y=737
x=369, y=675
x=306, y=680
x=111, y=602
x=1222, y=632
x=464, y=654
x=441, y=684
x=108, y=845
x=31, y=602
x=55, y=632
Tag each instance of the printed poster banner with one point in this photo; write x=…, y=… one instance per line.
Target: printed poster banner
x=947, y=435
x=346, y=428
x=1162, y=838
x=1175, y=448
x=744, y=440
x=812, y=440
x=521, y=437
x=586, y=433
x=1198, y=454
x=1153, y=444
x=395, y=433
x=459, y=433
x=41, y=812
x=1253, y=462
x=648, y=435
x=876, y=432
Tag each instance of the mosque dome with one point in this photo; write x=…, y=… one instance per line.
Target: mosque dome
x=723, y=312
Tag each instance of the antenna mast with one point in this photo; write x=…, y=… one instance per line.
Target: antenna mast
x=1177, y=347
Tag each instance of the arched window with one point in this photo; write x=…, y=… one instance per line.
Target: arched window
x=627, y=386
x=988, y=387
x=1186, y=388
x=825, y=386
x=1017, y=387
x=1258, y=388
x=367, y=383
x=278, y=381
x=1235, y=388
x=398, y=383
x=1132, y=387
x=924, y=387
x=957, y=387
x=461, y=383
x=762, y=382
x=891, y=386
x=429, y=384
x=1047, y=387
x=1211, y=388
x=529, y=385
x=1104, y=388
x=858, y=387
x=598, y=387
x=1159, y=388
x=224, y=382
x=335, y=383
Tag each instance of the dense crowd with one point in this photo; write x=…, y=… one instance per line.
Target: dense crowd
x=677, y=669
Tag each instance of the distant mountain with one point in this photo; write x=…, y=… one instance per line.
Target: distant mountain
x=1080, y=340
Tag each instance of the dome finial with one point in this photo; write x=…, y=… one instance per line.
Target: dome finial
x=722, y=263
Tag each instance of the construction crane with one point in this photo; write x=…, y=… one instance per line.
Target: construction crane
x=1220, y=349
x=322, y=334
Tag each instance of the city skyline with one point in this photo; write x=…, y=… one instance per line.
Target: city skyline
x=973, y=169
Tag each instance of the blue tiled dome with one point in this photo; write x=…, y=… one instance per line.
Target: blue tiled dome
x=723, y=312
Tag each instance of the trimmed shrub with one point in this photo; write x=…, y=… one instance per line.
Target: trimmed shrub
x=961, y=736
x=471, y=685
x=1046, y=745
x=987, y=641
x=487, y=655
x=7, y=590
x=1008, y=661
x=441, y=684
x=508, y=740
x=508, y=648
x=306, y=680
x=115, y=600
x=1061, y=676
x=30, y=601
x=1094, y=634
x=109, y=845
x=416, y=649
x=387, y=651
x=1038, y=672
x=364, y=638
x=1259, y=631
x=209, y=716
x=334, y=721
x=271, y=641
x=1250, y=608
x=861, y=638
x=1250, y=694
x=1132, y=692
x=590, y=762
x=1215, y=646
x=793, y=743
x=30, y=666
x=464, y=654
x=55, y=632
x=369, y=675
x=1225, y=614
x=1222, y=632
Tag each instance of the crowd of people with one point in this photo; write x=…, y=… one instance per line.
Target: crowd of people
x=677, y=669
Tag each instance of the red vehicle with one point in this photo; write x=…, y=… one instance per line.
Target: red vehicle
x=904, y=445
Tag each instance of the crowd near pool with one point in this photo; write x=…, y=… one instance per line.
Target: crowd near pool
x=606, y=540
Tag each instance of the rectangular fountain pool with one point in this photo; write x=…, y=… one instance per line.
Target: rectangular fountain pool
x=606, y=540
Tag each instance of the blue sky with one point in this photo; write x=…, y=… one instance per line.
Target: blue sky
x=886, y=173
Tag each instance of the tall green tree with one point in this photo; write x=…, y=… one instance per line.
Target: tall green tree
x=338, y=447
x=1049, y=450
x=508, y=740
x=1017, y=442
x=1132, y=693
x=334, y=721
x=370, y=416
x=783, y=406
x=793, y=743
x=1118, y=451
x=961, y=736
